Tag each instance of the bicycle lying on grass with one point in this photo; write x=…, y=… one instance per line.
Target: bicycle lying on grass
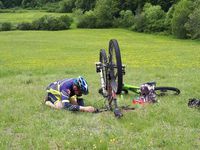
x=111, y=73
x=159, y=91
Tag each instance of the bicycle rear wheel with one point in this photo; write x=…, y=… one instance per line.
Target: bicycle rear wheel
x=116, y=73
x=161, y=91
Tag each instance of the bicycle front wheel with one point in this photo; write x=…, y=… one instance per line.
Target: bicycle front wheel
x=115, y=66
x=161, y=91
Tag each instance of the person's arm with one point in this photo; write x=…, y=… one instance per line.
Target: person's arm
x=87, y=108
x=67, y=105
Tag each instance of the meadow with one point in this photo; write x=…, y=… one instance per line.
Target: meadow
x=30, y=60
x=22, y=15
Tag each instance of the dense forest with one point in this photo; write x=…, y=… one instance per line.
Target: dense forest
x=180, y=18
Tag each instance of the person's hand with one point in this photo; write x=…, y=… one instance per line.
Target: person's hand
x=87, y=109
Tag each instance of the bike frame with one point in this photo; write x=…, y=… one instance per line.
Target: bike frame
x=128, y=87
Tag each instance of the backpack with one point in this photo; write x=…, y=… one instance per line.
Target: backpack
x=148, y=92
x=193, y=102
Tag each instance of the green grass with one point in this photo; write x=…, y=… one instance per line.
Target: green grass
x=31, y=60
x=19, y=16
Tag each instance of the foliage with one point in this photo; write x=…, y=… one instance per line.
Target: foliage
x=88, y=20
x=85, y=5
x=139, y=22
x=29, y=3
x=150, y=20
x=180, y=17
x=168, y=20
x=52, y=23
x=105, y=11
x=51, y=7
x=155, y=17
x=126, y=19
x=6, y=26
x=1, y=5
x=165, y=5
x=66, y=20
x=193, y=23
x=24, y=26
x=11, y=3
x=66, y=6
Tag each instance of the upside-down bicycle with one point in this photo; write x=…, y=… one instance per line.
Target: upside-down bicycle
x=111, y=73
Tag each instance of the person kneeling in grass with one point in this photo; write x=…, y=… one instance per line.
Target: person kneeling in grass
x=63, y=94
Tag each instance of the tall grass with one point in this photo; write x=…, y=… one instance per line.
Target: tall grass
x=31, y=60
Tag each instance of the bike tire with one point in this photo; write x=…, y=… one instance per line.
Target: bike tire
x=116, y=64
x=161, y=91
x=103, y=60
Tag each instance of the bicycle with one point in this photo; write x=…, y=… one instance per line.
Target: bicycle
x=111, y=73
x=160, y=91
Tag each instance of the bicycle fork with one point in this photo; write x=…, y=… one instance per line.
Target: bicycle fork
x=113, y=99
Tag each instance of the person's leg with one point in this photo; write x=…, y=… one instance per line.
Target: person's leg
x=53, y=101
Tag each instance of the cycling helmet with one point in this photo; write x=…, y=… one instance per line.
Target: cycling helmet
x=82, y=85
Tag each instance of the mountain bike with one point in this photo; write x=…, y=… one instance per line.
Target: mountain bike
x=160, y=91
x=111, y=73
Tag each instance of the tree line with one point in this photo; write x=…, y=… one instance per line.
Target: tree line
x=180, y=18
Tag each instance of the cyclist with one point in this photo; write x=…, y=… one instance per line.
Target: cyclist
x=63, y=94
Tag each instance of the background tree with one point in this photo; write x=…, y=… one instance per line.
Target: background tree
x=67, y=5
x=106, y=10
x=1, y=5
x=85, y=5
x=168, y=19
x=180, y=17
x=126, y=19
x=11, y=3
x=165, y=5
x=29, y=3
x=152, y=19
x=193, y=24
x=155, y=18
x=87, y=20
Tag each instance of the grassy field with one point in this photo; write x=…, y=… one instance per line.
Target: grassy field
x=19, y=16
x=31, y=60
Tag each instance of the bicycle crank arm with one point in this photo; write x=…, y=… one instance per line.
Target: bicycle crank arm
x=117, y=111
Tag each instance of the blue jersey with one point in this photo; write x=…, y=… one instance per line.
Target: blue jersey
x=62, y=90
x=64, y=87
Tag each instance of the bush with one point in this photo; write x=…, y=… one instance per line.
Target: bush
x=24, y=26
x=155, y=18
x=105, y=11
x=29, y=3
x=51, y=23
x=168, y=20
x=151, y=19
x=139, y=23
x=126, y=19
x=193, y=24
x=66, y=20
x=66, y=6
x=51, y=7
x=87, y=20
x=6, y=26
x=180, y=17
x=85, y=5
